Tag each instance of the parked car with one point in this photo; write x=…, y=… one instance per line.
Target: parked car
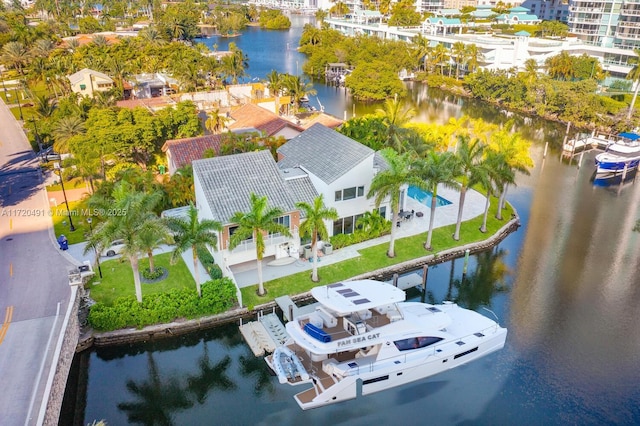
x=114, y=248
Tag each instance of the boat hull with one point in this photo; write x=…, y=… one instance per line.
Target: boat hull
x=380, y=379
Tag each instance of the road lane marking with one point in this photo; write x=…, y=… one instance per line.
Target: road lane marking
x=10, y=224
x=11, y=269
x=7, y=321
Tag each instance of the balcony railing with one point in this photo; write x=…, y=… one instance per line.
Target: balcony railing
x=270, y=240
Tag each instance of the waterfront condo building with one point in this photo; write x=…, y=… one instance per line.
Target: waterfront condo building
x=606, y=23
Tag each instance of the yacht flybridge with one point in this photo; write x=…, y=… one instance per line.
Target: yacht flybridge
x=364, y=332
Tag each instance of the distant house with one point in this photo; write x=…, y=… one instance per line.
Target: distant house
x=250, y=117
x=318, y=161
x=518, y=15
x=145, y=86
x=87, y=82
x=182, y=152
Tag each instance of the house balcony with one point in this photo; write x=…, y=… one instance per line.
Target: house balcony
x=628, y=35
x=270, y=241
x=629, y=12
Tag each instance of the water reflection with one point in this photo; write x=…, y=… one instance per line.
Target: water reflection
x=158, y=397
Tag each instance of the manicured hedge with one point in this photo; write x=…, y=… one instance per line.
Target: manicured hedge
x=209, y=263
x=217, y=296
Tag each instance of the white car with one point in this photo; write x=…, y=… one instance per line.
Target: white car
x=115, y=248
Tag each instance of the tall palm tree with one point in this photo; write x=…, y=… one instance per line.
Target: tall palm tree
x=422, y=50
x=65, y=129
x=297, y=88
x=515, y=150
x=395, y=115
x=314, y=226
x=459, y=52
x=474, y=57
x=138, y=213
x=194, y=234
x=436, y=169
x=440, y=56
x=216, y=121
x=276, y=85
x=560, y=66
x=469, y=158
x=388, y=184
x=259, y=220
x=234, y=65
x=634, y=75
x=15, y=55
x=152, y=235
x=497, y=173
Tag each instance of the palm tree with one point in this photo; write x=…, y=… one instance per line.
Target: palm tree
x=422, y=50
x=314, y=226
x=436, y=169
x=388, y=184
x=395, y=115
x=260, y=219
x=234, y=65
x=216, y=121
x=440, y=56
x=138, y=214
x=276, y=84
x=515, y=150
x=474, y=57
x=634, y=75
x=496, y=174
x=297, y=88
x=194, y=234
x=459, y=52
x=152, y=235
x=469, y=157
x=15, y=55
x=560, y=66
x=65, y=129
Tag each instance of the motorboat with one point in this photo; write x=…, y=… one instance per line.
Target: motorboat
x=622, y=156
x=364, y=337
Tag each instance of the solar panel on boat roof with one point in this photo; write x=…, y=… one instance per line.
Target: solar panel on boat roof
x=335, y=285
x=345, y=290
x=434, y=309
x=361, y=301
x=351, y=294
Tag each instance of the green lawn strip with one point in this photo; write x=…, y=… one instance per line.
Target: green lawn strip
x=74, y=183
x=61, y=223
x=373, y=258
x=117, y=279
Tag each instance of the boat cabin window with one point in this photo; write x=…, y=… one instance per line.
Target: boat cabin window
x=415, y=343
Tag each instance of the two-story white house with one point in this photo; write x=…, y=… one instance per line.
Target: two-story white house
x=339, y=168
x=317, y=161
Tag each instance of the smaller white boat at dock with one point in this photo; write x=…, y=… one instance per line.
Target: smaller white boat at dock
x=620, y=157
x=288, y=366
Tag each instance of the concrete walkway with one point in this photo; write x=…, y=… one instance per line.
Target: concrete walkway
x=247, y=274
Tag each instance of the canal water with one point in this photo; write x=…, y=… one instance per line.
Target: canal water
x=565, y=285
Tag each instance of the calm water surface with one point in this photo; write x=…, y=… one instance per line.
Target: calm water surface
x=565, y=285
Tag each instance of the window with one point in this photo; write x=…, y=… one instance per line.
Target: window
x=416, y=342
x=349, y=193
x=283, y=220
x=233, y=229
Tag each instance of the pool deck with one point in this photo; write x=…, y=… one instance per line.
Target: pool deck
x=246, y=274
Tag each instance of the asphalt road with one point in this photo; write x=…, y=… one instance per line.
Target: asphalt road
x=34, y=289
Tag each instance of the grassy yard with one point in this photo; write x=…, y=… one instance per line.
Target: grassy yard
x=61, y=221
x=74, y=183
x=117, y=279
x=375, y=257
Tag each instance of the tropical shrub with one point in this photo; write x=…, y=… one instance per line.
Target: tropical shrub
x=217, y=296
x=209, y=263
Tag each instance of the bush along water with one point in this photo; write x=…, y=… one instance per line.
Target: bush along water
x=217, y=296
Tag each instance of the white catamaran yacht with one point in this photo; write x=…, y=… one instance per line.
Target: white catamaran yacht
x=364, y=338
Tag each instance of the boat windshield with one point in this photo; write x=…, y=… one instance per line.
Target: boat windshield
x=415, y=342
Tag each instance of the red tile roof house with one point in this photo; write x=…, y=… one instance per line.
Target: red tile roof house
x=247, y=118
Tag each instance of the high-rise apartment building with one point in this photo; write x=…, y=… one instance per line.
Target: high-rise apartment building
x=548, y=10
x=606, y=23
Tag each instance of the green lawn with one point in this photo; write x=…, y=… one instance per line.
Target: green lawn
x=74, y=183
x=374, y=258
x=117, y=279
x=61, y=223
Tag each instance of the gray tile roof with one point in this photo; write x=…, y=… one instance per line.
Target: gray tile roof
x=379, y=162
x=324, y=152
x=229, y=180
x=302, y=190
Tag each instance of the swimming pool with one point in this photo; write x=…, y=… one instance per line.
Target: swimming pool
x=424, y=197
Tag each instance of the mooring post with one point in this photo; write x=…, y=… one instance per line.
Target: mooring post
x=425, y=273
x=290, y=313
x=395, y=280
x=566, y=135
x=624, y=171
x=466, y=262
x=580, y=160
x=546, y=146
